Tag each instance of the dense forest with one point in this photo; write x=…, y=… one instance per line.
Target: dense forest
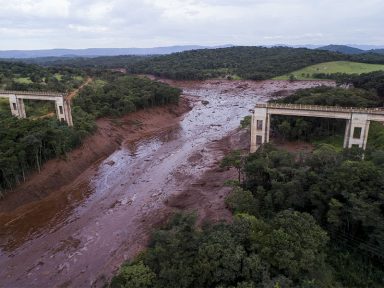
x=27, y=143
x=314, y=221
x=123, y=94
x=246, y=62
x=256, y=63
x=26, y=77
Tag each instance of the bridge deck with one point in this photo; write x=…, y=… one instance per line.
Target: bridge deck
x=331, y=109
x=4, y=93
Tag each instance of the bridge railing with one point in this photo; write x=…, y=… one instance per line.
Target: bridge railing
x=378, y=110
x=33, y=93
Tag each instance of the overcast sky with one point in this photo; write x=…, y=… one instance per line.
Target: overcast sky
x=41, y=24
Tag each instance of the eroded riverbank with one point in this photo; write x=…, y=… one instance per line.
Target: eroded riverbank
x=122, y=197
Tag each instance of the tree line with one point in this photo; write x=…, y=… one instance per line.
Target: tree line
x=256, y=63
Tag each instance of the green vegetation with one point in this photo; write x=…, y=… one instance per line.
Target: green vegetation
x=23, y=80
x=26, y=144
x=251, y=252
x=286, y=211
x=246, y=62
x=344, y=67
x=124, y=94
x=20, y=76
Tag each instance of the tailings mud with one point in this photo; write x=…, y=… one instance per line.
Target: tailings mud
x=79, y=236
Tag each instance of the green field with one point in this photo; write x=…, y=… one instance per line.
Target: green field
x=330, y=68
x=23, y=80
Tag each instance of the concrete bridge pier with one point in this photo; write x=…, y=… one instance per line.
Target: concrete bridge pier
x=17, y=106
x=63, y=111
x=356, y=131
x=261, y=122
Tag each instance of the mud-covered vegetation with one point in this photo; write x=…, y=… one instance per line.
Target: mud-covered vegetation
x=26, y=144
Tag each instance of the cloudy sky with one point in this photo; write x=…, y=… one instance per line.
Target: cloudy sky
x=41, y=24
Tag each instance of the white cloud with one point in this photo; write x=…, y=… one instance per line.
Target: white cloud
x=126, y=23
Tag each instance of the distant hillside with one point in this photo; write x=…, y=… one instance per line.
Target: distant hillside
x=322, y=70
x=94, y=52
x=342, y=49
x=378, y=51
x=245, y=62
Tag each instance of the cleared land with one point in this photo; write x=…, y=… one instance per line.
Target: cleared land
x=331, y=68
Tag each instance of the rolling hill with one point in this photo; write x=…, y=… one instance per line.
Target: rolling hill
x=346, y=67
x=342, y=49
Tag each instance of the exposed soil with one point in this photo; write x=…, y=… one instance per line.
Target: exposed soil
x=79, y=235
x=57, y=173
x=71, y=95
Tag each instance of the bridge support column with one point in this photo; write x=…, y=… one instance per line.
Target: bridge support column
x=68, y=113
x=17, y=106
x=259, y=128
x=63, y=111
x=21, y=106
x=356, y=132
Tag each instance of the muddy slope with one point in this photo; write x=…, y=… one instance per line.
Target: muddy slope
x=57, y=173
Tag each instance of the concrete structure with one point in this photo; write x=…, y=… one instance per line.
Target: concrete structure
x=356, y=131
x=16, y=98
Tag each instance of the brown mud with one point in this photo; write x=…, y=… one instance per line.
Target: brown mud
x=80, y=234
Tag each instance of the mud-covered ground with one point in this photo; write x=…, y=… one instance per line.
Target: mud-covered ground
x=80, y=227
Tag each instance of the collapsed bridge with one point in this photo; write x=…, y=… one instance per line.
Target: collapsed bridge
x=356, y=131
x=16, y=101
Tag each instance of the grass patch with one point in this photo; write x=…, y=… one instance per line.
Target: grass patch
x=346, y=67
x=23, y=80
x=98, y=83
x=58, y=76
x=78, y=78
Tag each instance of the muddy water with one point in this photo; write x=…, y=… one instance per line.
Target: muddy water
x=79, y=237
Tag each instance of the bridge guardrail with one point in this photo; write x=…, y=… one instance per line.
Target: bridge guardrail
x=378, y=110
x=34, y=93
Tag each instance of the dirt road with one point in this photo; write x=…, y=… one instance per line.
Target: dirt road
x=106, y=215
x=70, y=96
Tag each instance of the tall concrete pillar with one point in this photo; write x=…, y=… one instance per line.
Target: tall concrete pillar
x=259, y=128
x=59, y=104
x=63, y=111
x=347, y=133
x=68, y=113
x=358, y=131
x=17, y=106
x=13, y=103
x=21, y=108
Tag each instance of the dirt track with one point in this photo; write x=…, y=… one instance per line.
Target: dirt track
x=79, y=235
